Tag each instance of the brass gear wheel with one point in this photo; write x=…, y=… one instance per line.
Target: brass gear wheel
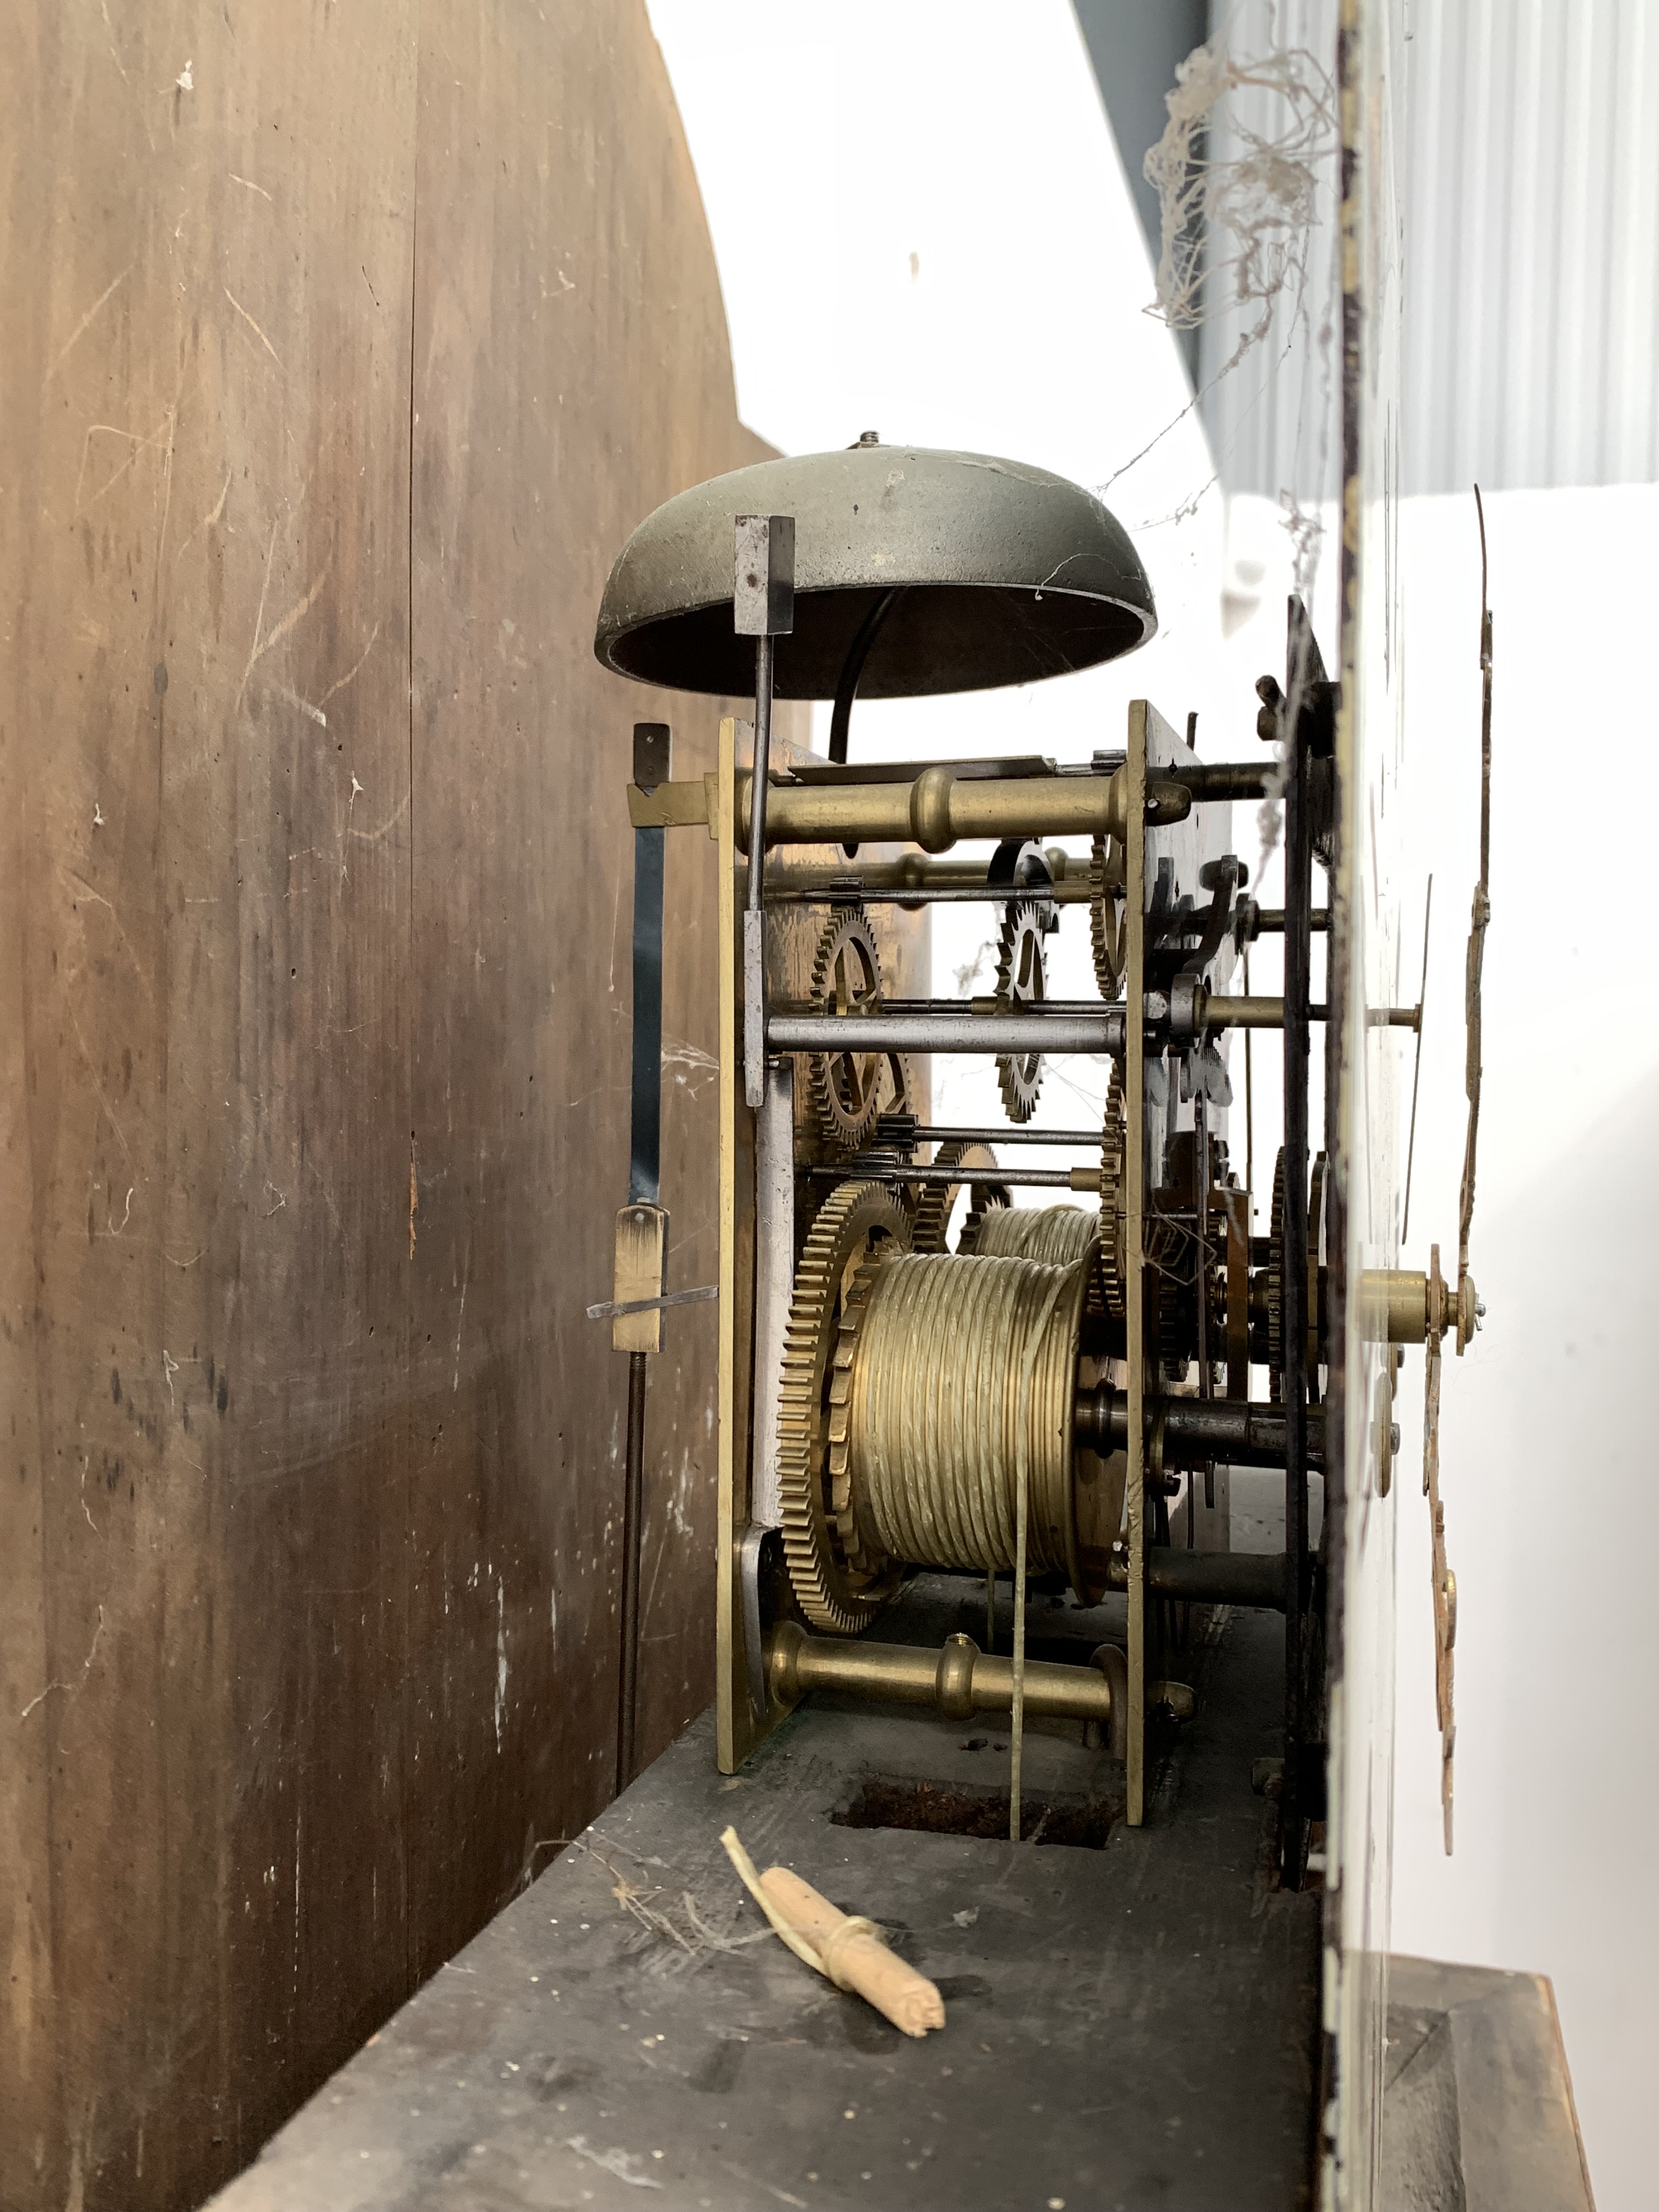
x=1317, y=1199
x=932, y=1218
x=1021, y=983
x=1113, y=1225
x=848, y=1087
x=1105, y=925
x=1318, y=1191
x=1276, y=1284
x=983, y=1198
x=895, y=1085
x=1160, y=1239
x=837, y=1586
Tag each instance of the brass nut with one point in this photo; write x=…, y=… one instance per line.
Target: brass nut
x=1469, y=1311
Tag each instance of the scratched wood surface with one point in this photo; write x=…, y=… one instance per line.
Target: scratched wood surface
x=339, y=349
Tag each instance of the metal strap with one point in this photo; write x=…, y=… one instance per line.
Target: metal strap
x=645, y=1162
x=607, y=1311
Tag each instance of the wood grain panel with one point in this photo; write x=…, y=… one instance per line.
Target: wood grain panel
x=314, y=1006
x=571, y=372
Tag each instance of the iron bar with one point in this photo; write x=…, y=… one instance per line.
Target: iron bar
x=925, y=1025
x=1270, y=920
x=1086, y=1140
x=987, y=1008
x=1231, y=1010
x=1244, y=1579
x=627, y=1688
x=1298, y=898
x=1063, y=894
x=645, y=1160
x=762, y=752
x=1206, y=1379
x=754, y=920
x=889, y=1170
x=1249, y=1116
x=1237, y=1431
x=763, y=608
x=990, y=1033
x=1212, y=781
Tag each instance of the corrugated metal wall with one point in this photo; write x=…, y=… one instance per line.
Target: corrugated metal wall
x=1533, y=244
x=1531, y=182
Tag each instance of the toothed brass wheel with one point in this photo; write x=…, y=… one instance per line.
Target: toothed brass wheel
x=1318, y=1194
x=931, y=1219
x=1276, y=1263
x=1276, y=1284
x=838, y=1584
x=1160, y=1239
x=1113, y=1272
x=984, y=1198
x=849, y=1089
x=1105, y=919
x=897, y=1090
x=1021, y=985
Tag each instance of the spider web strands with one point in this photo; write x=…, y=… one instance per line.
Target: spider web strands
x=1245, y=173
x=1262, y=162
x=1240, y=226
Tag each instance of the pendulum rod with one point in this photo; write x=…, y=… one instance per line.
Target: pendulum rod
x=1298, y=884
x=1134, y=1100
x=763, y=608
x=1205, y=1381
x=633, y=1502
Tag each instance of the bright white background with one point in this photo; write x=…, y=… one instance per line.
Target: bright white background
x=935, y=241
x=1550, y=1466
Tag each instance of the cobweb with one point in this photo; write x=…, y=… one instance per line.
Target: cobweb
x=1243, y=173
x=1255, y=209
